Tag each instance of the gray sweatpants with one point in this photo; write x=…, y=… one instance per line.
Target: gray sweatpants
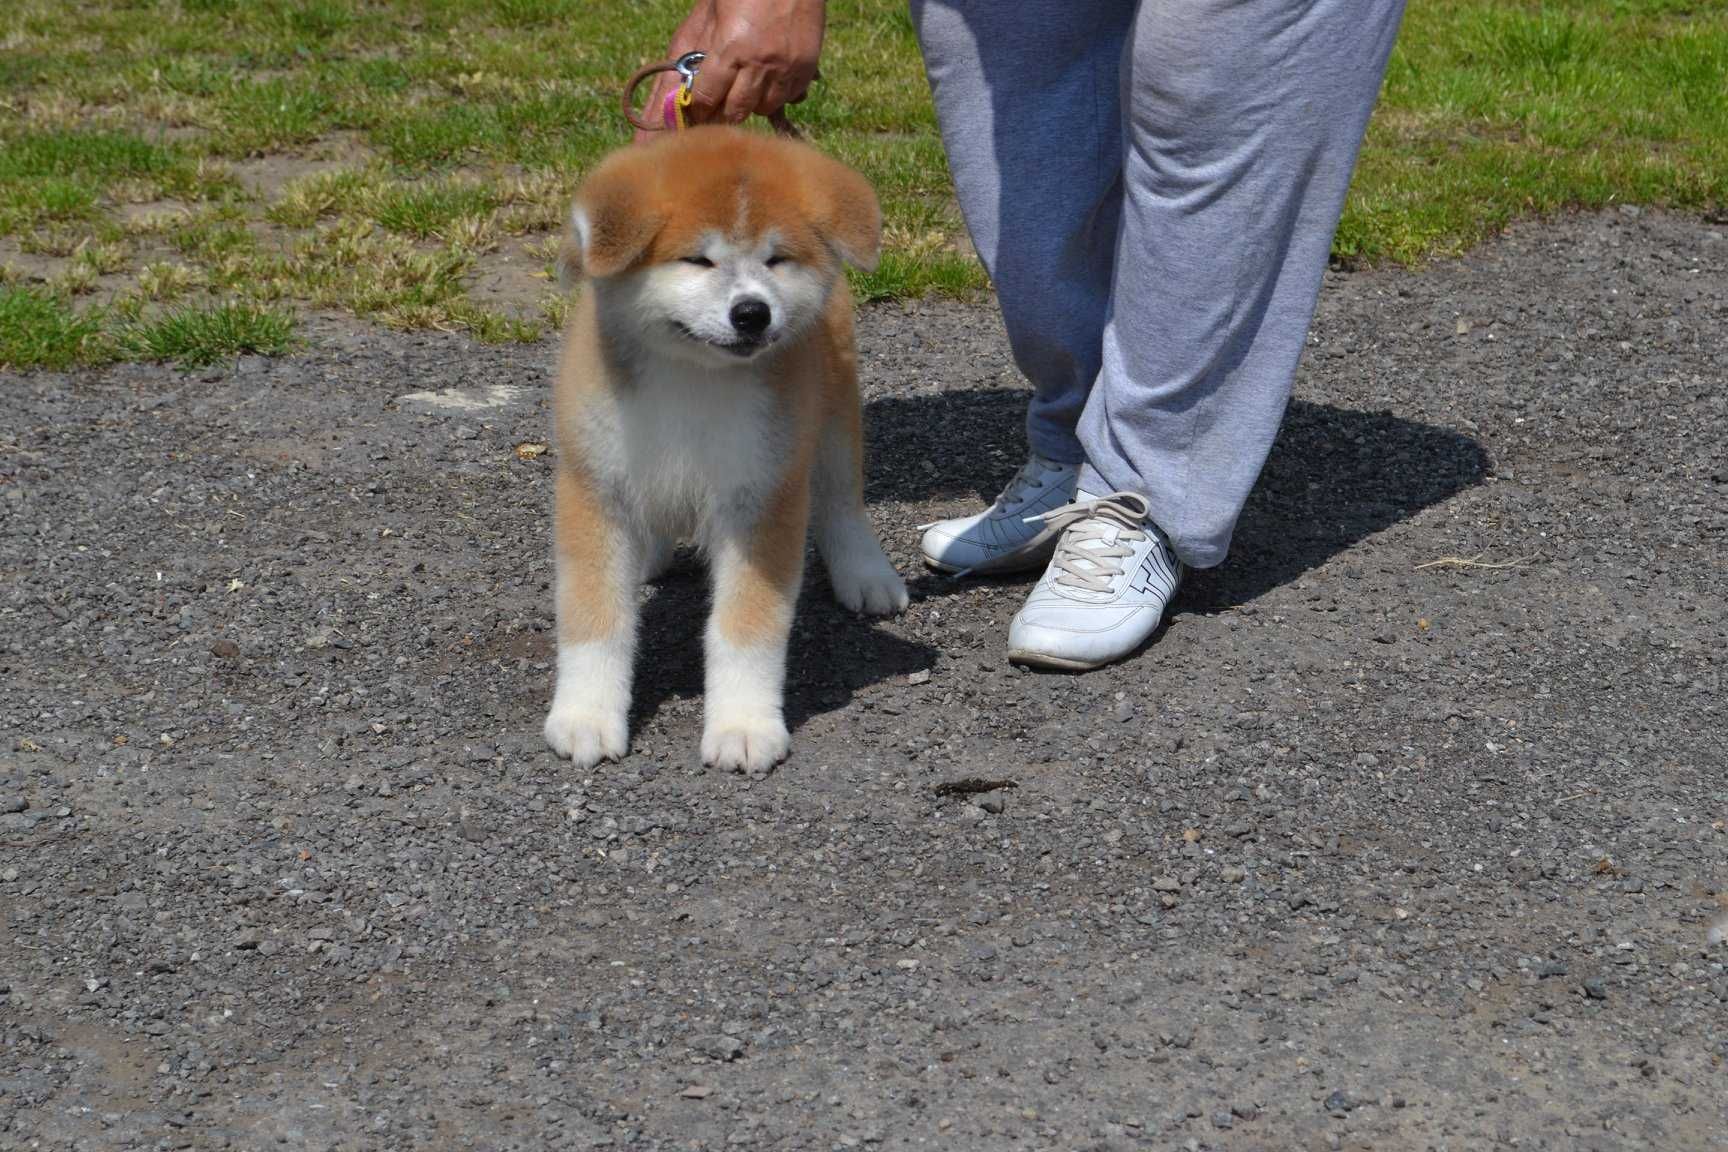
x=1153, y=187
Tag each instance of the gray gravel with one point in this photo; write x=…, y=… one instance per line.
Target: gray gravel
x=1370, y=849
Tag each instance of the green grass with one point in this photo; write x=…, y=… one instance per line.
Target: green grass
x=194, y=337
x=430, y=138
x=429, y=211
x=1496, y=110
x=40, y=330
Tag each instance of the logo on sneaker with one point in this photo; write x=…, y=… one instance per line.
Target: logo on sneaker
x=1153, y=578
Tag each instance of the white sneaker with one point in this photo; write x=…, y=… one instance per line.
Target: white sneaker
x=1112, y=574
x=1008, y=536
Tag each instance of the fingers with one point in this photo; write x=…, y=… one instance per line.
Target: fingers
x=747, y=96
x=777, y=96
x=712, y=91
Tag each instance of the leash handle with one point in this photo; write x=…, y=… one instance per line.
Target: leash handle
x=673, y=112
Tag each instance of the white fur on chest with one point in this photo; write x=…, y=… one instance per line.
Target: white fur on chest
x=687, y=450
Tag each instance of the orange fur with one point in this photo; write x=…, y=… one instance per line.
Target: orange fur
x=583, y=535
x=757, y=606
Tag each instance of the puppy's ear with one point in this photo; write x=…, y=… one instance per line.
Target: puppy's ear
x=845, y=209
x=616, y=216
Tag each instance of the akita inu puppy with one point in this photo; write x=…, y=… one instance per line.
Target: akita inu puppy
x=709, y=392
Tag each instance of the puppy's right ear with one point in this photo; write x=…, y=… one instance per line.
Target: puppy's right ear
x=616, y=216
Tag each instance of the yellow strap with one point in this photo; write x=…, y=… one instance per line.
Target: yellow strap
x=682, y=102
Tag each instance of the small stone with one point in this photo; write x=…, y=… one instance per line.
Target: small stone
x=973, y=814
x=1339, y=1103
x=248, y=939
x=1595, y=989
x=1550, y=968
x=922, y=676
x=13, y=802
x=1124, y=711
x=1297, y=900
x=719, y=1046
x=481, y=753
x=1166, y=884
x=1233, y=874
x=1223, y=1119
x=353, y=784
x=697, y=1092
x=993, y=804
x=225, y=648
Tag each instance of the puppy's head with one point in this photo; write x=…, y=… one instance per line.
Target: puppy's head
x=718, y=244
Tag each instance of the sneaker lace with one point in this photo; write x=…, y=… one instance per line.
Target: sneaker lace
x=1029, y=479
x=1096, y=538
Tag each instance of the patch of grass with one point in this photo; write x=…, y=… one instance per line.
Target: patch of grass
x=461, y=122
x=491, y=327
x=41, y=329
x=425, y=211
x=354, y=266
x=899, y=276
x=320, y=196
x=1492, y=111
x=272, y=115
x=165, y=281
x=49, y=201
x=57, y=175
x=194, y=337
x=93, y=156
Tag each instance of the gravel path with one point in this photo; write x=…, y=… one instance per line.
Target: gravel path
x=1371, y=849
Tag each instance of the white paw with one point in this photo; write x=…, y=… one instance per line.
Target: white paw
x=746, y=743
x=586, y=737
x=870, y=585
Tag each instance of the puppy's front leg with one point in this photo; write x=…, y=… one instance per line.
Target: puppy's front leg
x=599, y=565
x=757, y=573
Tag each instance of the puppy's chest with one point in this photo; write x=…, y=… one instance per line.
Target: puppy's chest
x=684, y=448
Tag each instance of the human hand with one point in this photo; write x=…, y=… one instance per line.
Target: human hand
x=762, y=56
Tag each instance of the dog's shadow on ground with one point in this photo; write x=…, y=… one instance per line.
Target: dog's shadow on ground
x=832, y=652
x=1335, y=476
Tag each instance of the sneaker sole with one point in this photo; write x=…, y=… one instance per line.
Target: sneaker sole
x=1057, y=663
x=1013, y=564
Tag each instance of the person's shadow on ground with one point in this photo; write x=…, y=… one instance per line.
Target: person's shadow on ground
x=1335, y=476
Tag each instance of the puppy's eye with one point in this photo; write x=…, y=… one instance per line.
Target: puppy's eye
x=699, y=261
x=776, y=260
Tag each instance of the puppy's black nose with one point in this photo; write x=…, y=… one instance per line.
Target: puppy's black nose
x=750, y=316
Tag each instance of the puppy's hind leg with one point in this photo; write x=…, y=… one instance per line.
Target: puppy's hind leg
x=862, y=577
x=599, y=565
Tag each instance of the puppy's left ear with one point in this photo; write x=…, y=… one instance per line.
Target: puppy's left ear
x=845, y=210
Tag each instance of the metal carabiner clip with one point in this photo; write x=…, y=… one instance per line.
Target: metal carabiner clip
x=687, y=66
x=672, y=115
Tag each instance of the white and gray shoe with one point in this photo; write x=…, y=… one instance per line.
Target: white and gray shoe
x=1110, y=578
x=1010, y=535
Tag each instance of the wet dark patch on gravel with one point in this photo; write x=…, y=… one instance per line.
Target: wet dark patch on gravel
x=283, y=862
